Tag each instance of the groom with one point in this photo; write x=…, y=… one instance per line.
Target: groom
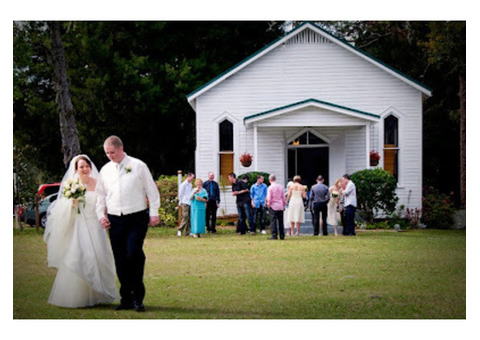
x=123, y=186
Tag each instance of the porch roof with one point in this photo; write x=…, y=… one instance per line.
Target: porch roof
x=310, y=102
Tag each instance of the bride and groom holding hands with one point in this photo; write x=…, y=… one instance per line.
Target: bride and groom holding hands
x=113, y=200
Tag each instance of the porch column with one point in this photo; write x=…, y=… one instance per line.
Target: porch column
x=255, y=147
x=367, y=144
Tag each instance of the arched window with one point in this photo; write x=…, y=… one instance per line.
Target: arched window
x=225, y=131
x=390, y=145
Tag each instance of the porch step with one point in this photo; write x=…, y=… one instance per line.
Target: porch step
x=307, y=227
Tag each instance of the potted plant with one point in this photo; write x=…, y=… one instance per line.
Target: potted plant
x=246, y=159
x=374, y=158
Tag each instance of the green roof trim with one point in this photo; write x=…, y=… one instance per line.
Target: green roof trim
x=314, y=101
x=291, y=33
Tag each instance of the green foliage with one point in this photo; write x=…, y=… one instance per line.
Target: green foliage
x=438, y=209
x=252, y=177
x=397, y=218
x=379, y=225
x=376, y=191
x=126, y=78
x=168, y=211
x=27, y=176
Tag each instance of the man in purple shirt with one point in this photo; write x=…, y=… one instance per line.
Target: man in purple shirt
x=276, y=202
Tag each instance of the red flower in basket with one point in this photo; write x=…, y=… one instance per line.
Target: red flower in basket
x=374, y=158
x=246, y=159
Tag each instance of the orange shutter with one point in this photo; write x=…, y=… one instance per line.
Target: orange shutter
x=389, y=153
x=226, y=165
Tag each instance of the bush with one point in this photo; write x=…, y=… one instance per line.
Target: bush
x=168, y=211
x=376, y=191
x=438, y=209
x=252, y=177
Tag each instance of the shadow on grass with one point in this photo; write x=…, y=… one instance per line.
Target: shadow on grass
x=166, y=312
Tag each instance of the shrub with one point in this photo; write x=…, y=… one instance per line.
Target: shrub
x=438, y=209
x=398, y=218
x=168, y=211
x=376, y=191
x=252, y=177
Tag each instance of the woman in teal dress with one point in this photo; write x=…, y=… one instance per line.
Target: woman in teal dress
x=198, y=209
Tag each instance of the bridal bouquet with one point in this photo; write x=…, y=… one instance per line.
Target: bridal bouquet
x=334, y=194
x=73, y=189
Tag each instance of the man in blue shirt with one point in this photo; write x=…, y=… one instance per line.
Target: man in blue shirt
x=258, y=193
x=213, y=202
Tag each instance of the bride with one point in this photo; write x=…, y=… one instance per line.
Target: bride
x=78, y=245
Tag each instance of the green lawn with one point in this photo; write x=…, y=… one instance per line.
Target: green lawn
x=375, y=275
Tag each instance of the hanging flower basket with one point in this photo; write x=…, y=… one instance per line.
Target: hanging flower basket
x=246, y=159
x=374, y=158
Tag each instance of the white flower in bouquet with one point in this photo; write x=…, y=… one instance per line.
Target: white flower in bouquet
x=75, y=190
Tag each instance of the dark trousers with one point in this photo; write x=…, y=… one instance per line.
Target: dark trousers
x=344, y=223
x=259, y=213
x=350, y=220
x=244, y=214
x=127, y=233
x=317, y=209
x=276, y=223
x=211, y=216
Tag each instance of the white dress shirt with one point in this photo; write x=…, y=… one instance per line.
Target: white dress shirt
x=185, y=192
x=350, y=194
x=123, y=188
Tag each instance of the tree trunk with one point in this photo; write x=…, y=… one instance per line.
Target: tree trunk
x=68, y=126
x=463, y=140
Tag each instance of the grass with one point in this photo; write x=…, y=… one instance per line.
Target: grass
x=375, y=275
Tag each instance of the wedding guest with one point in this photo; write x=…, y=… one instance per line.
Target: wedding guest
x=241, y=192
x=296, y=209
x=258, y=193
x=78, y=246
x=334, y=205
x=276, y=202
x=123, y=187
x=248, y=208
x=320, y=197
x=350, y=193
x=199, y=199
x=213, y=203
x=184, y=194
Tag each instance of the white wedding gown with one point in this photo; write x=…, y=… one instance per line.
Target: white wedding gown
x=79, y=247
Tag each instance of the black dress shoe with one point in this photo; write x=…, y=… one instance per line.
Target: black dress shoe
x=123, y=306
x=139, y=307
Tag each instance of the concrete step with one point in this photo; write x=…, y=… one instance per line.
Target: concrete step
x=306, y=228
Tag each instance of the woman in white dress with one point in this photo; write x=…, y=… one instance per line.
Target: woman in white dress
x=333, y=205
x=78, y=245
x=286, y=224
x=296, y=210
